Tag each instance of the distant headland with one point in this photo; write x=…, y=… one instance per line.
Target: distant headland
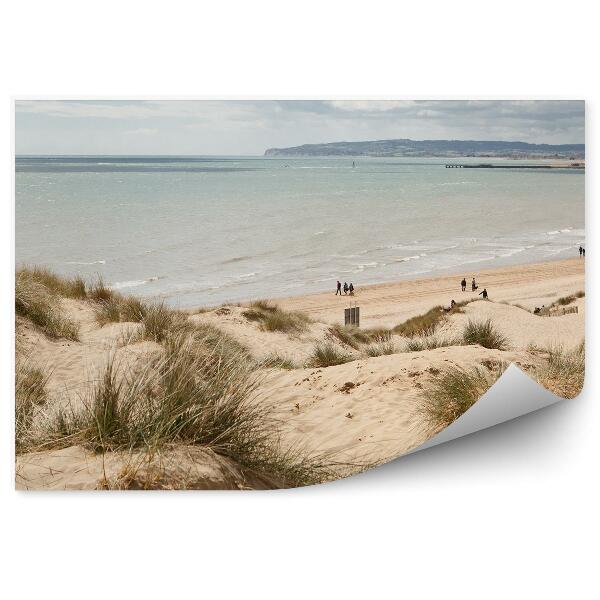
x=435, y=148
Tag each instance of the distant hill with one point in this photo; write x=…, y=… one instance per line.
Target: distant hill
x=439, y=148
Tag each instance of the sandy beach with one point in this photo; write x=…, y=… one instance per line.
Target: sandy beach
x=385, y=304
x=365, y=409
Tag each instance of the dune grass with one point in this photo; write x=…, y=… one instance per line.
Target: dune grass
x=69, y=287
x=452, y=393
x=430, y=342
x=273, y=318
x=195, y=393
x=428, y=322
x=484, y=334
x=30, y=392
x=36, y=302
x=564, y=371
x=98, y=291
x=381, y=348
x=565, y=300
x=275, y=361
x=355, y=336
x=327, y=354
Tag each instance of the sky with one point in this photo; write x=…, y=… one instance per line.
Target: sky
x=249, y=127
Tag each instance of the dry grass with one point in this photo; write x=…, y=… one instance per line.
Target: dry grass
x=119, y=308
x=564, y=371
x=381, y=348
x=452, y=393
x=196, y=393
x=69, y=287
x=484, y=334
x=274, y=361
x=36, y=302
x=354, y=336
x=160, y=321
x=565, y=300
x=273, y=318
x=327, y=355
x=427, y=323
x=430, y=342
x=30, y=393
x=98, y=291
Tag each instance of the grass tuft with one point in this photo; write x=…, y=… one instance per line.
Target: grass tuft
x=354, y=336
x=273, y=318
x=34, y=301
x=327, y=355
x=160, y=321
x=380, y=348
x=564, y=371
x=427, y=323
x=565, y=300
x=452, y=393
x=430, y=342
x=30, y=393
x=73, y=287
x=484, y=334
x=274, y=361
x=98, y=291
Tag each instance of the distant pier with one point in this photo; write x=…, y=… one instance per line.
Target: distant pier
x=490, y=166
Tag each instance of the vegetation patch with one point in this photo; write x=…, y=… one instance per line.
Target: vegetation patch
x=564, y=371
x=327, y=355
x=69, y=287
x=196, y=393
x=273, y=318
x=381, y=348
x=274, y=361
x=452, y=393
x=430, y=342
x=354, y=336
x=30, y=393
x=484, y=334
x=427, y=323
x=36, y=302
x=565, y=300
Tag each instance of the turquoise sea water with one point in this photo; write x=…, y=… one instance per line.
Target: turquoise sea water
x=206, y=230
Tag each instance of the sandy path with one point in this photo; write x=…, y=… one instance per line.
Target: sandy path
x=390, y=303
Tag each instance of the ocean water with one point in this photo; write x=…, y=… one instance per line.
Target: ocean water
x=207, y=230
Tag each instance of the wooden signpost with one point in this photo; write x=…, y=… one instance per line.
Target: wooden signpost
x=352, y=316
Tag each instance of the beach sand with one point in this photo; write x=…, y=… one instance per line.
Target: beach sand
x=365, y=410
x=387, y=304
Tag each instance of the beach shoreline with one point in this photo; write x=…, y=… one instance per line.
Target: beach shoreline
x=383, y=304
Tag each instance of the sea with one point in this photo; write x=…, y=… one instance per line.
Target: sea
x=205, y=230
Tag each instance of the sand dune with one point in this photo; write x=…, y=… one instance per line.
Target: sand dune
x=364, y=410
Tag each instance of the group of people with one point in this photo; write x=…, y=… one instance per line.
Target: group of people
x=474, y=286
x=347, y=289
x=463, y=284
x=581, y=251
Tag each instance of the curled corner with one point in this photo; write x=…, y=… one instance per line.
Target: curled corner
x=513, y=395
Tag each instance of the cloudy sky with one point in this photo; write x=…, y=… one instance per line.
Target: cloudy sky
x=250, y=126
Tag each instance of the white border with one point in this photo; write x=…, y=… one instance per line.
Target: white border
x=509, y=512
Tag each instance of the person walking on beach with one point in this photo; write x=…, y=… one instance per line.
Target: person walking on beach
x=484, y=294
x=345, y=287
x=351, y=288
x=473, y=285
x=463, y=284
x=583, y=250
x=580, y=250
x=338, y=289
